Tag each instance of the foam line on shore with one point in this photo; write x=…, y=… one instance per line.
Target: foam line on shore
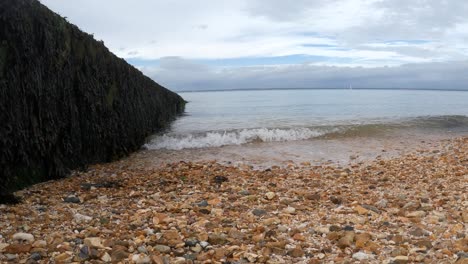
x=239, y=137
x=208, y=139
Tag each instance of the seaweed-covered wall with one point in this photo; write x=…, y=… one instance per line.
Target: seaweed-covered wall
x=65, y=100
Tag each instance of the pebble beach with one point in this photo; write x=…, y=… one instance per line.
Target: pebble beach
x=411, y=208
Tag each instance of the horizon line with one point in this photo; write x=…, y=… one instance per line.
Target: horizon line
x=297, y=88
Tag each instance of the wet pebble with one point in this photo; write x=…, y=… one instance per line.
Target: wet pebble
x=72, y=199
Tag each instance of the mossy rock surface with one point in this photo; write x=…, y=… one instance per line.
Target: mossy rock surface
x=65, y=100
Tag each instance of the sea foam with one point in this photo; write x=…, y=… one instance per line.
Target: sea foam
x=238, y=137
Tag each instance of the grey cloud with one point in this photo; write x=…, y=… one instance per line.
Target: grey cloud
x=180, y=74
x=434, y=14
x=420, y=19
x=420, y=52
x=197, y=24
x=283, y=10
x=400, y=19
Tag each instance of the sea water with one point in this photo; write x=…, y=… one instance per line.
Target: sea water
x=223, y=118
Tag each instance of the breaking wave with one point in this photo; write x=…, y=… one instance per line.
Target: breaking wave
x=208, y=139
x=237, y=137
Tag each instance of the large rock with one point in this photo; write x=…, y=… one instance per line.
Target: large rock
x=65, y=100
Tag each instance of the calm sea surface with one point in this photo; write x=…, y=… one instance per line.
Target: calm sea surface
x=220, y=118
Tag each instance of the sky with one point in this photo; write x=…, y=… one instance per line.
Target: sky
x=239, y=44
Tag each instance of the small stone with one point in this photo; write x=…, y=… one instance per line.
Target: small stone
x=270, y=195
x=299, y=237
x=361, y=210
x=244, y=192
x=313, y=196
x=141, y=259
x=259, y=212
x=424, y=243
x=106, y=257
x=197, y=248
x=346, y=240
x=204, y=211
x=348, y=228
x=217, y=212
x=399, y=252
x=72, y=199
x=17, y=248
x=382, y=203
x=162, y=248
x=371, y=208
x=411, y=206
x=289, y=210
x=35, y=256
x=142, y=249
x=361, y=256
x=462, y=258
x=418, y=232
x=23, y=237
x=217, y=239
x=203, y=203
x=84, y=253
x=3, y=246
x=119, y=255
x=64, y=257
x=400, y=260
x=271, y=221
x=82, y=218
x=465, y=216
x=297, y=252
x=251, y=257
x=191, y=242
x=191, y=257
x=418, y=250
x=419, y=258
x=220, y=179
x=93, y=242
x=11, y=257
x=336, y=200
x=398, y=239
x=179, y=260
x=362, y=239
x=416, y=214
x=160, y=259
x=172, y=237
x=39, y=244
x=204, y=244
x=334, y=236
x=322, y=230
x=334, y=228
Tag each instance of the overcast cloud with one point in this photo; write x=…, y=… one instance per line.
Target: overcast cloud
x=187, y=45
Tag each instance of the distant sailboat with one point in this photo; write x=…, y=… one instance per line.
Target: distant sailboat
x=350, y=87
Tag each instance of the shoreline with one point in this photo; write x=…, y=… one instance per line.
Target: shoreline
x=409, y=206
x=336, y=149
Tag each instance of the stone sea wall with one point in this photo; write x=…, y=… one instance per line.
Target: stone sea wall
x=65, y=100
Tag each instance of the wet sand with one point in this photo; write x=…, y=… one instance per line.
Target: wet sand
x=398, y=200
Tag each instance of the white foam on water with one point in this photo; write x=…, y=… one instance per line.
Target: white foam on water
x=224, y=138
